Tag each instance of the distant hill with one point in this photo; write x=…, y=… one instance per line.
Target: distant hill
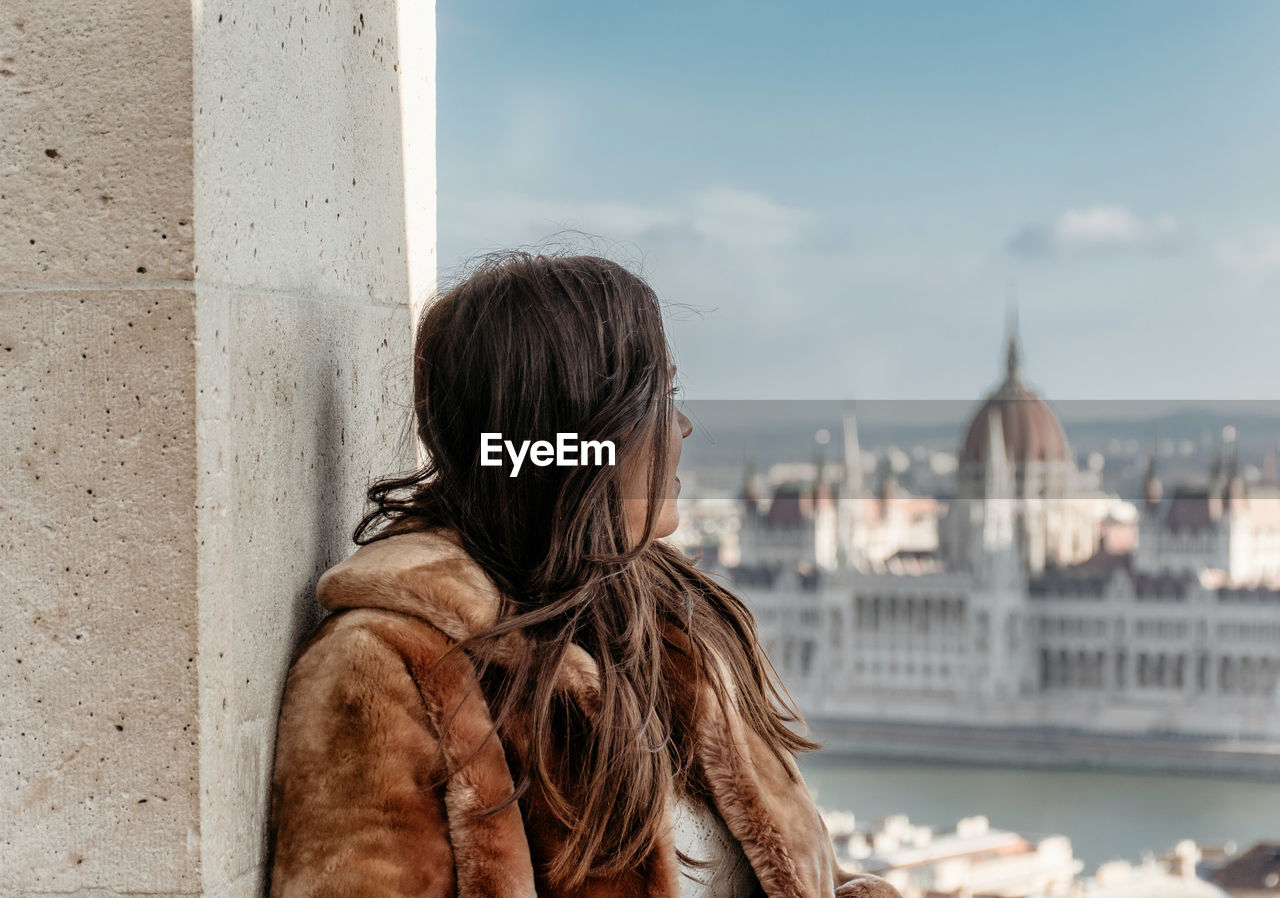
x=727, y=432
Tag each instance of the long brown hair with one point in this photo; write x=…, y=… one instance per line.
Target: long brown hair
x=530, y=346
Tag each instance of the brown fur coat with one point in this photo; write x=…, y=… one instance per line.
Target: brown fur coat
x=354, y=811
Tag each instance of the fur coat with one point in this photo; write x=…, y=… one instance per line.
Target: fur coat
x=363, y=802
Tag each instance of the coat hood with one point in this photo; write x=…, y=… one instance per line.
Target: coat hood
x=427, y=574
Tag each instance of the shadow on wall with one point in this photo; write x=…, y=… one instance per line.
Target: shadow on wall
x=308, y=228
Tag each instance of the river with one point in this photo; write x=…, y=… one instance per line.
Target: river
x=1106, y=815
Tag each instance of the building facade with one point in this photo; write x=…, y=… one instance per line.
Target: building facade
x=1020, y=617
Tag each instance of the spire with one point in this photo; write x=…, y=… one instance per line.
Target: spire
x=820, y=491
x=1231, y=450
x=997, y=490
x=850, y=508
x=852, y=454
x=750, y=490
x=888, y=484
x=997, y=460
x=1234, y=491
x=1224, y=458
x=1152, y=489
x=1011, y=356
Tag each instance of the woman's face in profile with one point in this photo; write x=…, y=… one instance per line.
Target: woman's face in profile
x=636, y=483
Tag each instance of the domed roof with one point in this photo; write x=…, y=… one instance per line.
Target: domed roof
x=1031, y=429
x=791, y=505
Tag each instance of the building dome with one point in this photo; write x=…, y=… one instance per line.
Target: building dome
x=791, y=505
x=1032, y=431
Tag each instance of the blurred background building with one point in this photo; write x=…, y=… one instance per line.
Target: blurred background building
x=1028, y=599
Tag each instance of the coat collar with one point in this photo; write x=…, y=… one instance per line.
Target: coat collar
x=429, y=575
x=762, y=800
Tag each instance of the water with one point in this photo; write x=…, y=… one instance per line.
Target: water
x=1106, y=815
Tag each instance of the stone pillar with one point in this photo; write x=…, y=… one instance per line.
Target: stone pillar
x=214, y=218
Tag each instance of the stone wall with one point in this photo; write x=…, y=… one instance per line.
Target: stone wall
x=214, y=219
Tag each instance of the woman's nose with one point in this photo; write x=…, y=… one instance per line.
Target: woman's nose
x=686, y=426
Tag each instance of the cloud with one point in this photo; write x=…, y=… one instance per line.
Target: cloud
x=1095, y=230
x=1258, y=253
x=721, y=247
x=763, y=299
x=729, y=217
x=743, y=218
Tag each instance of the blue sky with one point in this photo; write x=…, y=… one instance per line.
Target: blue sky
x=839, y=199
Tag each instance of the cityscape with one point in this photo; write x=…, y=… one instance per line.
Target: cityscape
x=1026, y=616
x=1023, y=585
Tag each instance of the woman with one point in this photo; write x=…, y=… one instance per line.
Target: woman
x=522, y=691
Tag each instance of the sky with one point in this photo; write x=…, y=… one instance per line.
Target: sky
x=840, y=200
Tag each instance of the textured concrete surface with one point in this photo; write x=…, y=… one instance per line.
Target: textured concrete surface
x=98, y=750
x=204, y=359
x=306, y=260
x=95, y=142
x=307, y=410
x=302, y=103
